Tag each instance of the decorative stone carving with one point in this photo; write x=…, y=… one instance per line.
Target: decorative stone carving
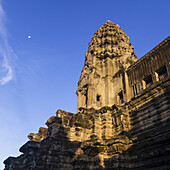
x=42, y=134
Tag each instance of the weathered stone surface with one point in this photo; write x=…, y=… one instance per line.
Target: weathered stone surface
x=128, y=130
x=42, y=134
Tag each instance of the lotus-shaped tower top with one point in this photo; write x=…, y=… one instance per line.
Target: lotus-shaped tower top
x=109, y=54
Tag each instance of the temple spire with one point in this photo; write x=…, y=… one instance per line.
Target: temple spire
x=109, y=51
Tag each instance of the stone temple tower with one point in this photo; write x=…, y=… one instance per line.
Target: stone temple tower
x=103, y=80
x=122, y=119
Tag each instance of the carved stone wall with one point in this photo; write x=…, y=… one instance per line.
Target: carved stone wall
x=155, y=64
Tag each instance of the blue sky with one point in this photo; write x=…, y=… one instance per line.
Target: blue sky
x=39, y=75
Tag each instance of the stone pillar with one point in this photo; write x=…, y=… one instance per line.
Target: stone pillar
x=90, y=97
x=94, y=94
x=109, y=91
x=78, y=101
x=155, y=77
x=128, y=90
x=109, y=79
x=168, y=68
x=106, y=82
x=84, y=100
x=106, y=91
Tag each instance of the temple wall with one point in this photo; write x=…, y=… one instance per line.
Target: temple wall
x=150, y=127
x=149, y=66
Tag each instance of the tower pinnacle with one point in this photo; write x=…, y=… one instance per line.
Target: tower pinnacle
x=109, y=51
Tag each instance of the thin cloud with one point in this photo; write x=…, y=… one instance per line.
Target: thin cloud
x=6, y=52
